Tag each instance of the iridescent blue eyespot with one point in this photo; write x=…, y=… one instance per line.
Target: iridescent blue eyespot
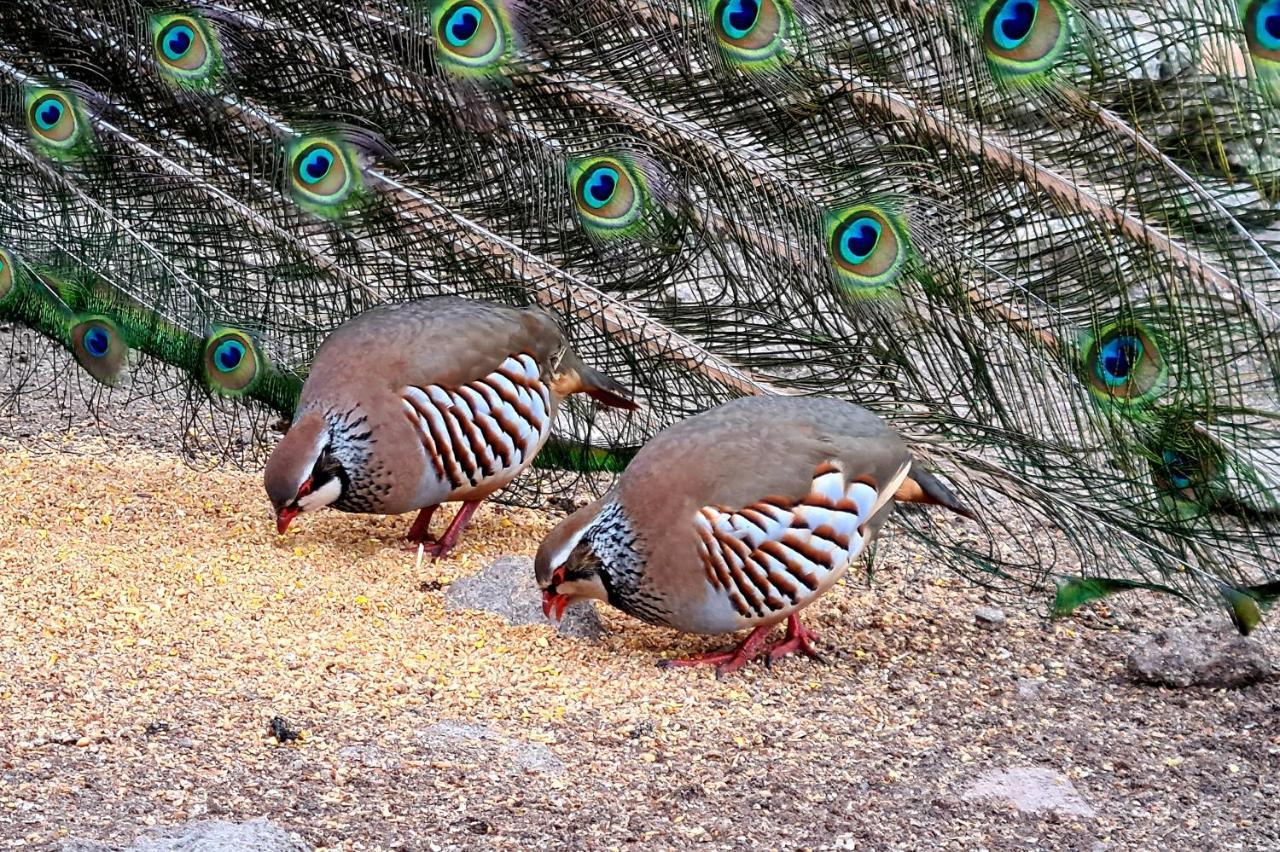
x=48, y=112
x=1262, y=24
x=1024, y=39
x=868, y=245
x=178, y=41
x=860, y=239
x=1013, y=23
x=97, y=342
x=315, y=165
x=610, y=195
x=600, y=187
x=754, y=35
x=324, y=173
x=187, y=51
x=228, y=355
x=740, y=17
x=1118, y=358
x=53, y=118
x=1123, y=363
x=231, y=364
x=463, y=25
x=1266, y=25
x=472, y=36
x=1178, y=468
x=1260, y=20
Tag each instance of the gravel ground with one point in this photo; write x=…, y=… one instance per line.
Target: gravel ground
x=154, y=625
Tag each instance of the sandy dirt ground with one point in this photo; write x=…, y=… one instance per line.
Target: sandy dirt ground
x=153, y=624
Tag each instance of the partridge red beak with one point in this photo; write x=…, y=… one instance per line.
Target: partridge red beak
x=283, y=518
x=553, y=604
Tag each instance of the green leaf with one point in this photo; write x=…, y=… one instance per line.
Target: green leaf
x=1247, y=602
x=1243, y=608
x=1074, y=592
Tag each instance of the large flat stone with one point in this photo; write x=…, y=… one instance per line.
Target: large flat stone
x=508, y=588
x=257, y=835
x=1030, y=790
x=477, y=744
x=1208, y=652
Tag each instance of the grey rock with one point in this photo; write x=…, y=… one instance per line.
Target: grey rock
x=988, y=617
x=507, y=587
x=1208, y=652
x=370, y=756
x=1030, y=688
x=258, y=835
x=477, y=744
x=1030, y=789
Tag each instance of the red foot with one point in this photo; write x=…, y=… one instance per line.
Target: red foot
x=798, y=638
x=451, y=535
x=420, y=532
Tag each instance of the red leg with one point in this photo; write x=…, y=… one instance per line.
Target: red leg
x=454, y=532
x=728, y=661
x=798, y=638
x=420, y=532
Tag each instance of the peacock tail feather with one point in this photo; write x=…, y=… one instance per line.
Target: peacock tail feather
x=1038, y=236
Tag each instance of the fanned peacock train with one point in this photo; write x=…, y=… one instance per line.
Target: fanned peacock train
x=1037, y=236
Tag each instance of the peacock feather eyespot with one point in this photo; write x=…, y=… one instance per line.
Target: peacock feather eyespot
x=752, y=34
x=1023, y=39
x=323, y=173
x=186, y=51
x=1185, y=471
x=868, y=244
x=1123, y=363
x=610, y=195
x=231, y=362
x=472, y=36
x=1261, y=21
x=56, y=121
x=99, y=348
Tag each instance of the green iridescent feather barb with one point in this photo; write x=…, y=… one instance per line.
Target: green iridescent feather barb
x=1037, y=236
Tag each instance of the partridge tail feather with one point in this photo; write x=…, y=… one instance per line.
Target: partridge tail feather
x=577, y=377
x=921, y=486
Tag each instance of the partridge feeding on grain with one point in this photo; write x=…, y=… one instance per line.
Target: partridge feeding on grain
x=413, y=405
x=738, y=518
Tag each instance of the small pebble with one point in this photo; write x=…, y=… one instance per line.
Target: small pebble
x=988, y=617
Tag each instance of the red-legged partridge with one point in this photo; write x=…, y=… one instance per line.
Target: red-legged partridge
x=737, y=519
x=412, y=405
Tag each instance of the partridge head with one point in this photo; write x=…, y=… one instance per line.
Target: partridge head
x=302, y=474
x=737, y=519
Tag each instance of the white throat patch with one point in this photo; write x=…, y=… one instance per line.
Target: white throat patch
x=322, y=496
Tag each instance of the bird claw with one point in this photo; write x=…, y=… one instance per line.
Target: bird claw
x=412, y=544
x=437, y=549
x=798, y=639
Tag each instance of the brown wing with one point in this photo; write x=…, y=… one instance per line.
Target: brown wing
x=447, y=341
